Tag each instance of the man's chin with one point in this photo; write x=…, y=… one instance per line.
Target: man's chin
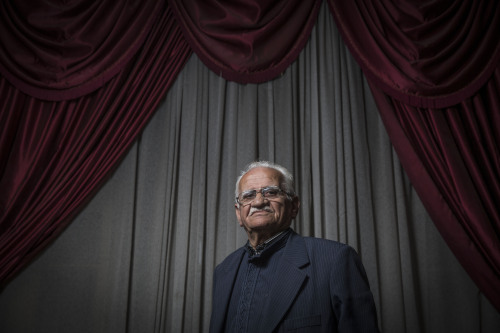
x=259, y=224
x=261, y=218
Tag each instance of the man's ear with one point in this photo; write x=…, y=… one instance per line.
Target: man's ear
x=237, y=209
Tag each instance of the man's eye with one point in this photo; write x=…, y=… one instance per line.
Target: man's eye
x=271, y=192
x=248, y=195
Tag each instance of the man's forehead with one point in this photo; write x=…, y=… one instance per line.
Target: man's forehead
x=260, y=177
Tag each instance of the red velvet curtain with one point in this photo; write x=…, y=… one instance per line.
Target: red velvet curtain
x=247, y=41
x=57, y=51
x=433, y=68
x=55, y=154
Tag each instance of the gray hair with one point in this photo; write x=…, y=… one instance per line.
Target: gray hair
x=287, y=182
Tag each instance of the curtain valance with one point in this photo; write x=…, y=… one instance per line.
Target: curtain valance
x=246, y=41
x=58, y=50
x=425, y=54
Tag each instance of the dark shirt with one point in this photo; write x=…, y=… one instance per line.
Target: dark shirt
x=253, y=283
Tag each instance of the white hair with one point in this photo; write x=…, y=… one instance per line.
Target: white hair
x=287, y=184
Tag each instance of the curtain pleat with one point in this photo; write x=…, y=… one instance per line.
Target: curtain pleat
x=246, y=41
x=431, y=54
x=63, y=50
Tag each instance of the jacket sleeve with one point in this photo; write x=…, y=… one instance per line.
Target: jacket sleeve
x=350, y=293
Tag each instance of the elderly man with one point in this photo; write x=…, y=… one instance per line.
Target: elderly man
x=280, y=281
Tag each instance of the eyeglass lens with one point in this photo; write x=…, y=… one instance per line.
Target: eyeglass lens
x=267, y=192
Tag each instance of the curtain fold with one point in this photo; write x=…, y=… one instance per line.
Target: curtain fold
x=453, y=153
x=64, y=50
x=55, y=155
x=429, y=54
x=246, y=41
x=434, y=71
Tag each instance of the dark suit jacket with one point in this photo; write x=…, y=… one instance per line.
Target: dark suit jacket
x=320, y=286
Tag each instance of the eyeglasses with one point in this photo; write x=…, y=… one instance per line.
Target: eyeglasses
x=269, y=192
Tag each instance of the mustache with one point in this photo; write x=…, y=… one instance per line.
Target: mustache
x=260, y=209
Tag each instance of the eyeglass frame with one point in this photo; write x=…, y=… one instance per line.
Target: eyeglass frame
x=279, y=189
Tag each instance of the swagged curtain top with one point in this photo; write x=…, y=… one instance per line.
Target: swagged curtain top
x=247, y=41
x=430, y=54
x=423, y=53
x=58, y=50
x=254, y=41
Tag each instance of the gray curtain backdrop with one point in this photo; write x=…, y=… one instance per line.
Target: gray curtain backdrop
x=140, y=257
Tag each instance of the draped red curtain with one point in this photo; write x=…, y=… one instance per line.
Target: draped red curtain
x=451, y=156
x=429, y=53
x=247, y=41
x=57, y=51
x=55, y=154
x=433, y=68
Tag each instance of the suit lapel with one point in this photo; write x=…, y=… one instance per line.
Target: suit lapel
x=225, y=278
x=288, y=281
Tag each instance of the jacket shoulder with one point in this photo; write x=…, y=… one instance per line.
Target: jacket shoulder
x=330, y=250
x=322, y=243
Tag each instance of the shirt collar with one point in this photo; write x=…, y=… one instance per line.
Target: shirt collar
x=269, y=246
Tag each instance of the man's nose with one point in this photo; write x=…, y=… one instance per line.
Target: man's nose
x=259, y=199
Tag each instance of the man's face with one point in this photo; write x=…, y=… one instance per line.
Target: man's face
x=269, y=216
